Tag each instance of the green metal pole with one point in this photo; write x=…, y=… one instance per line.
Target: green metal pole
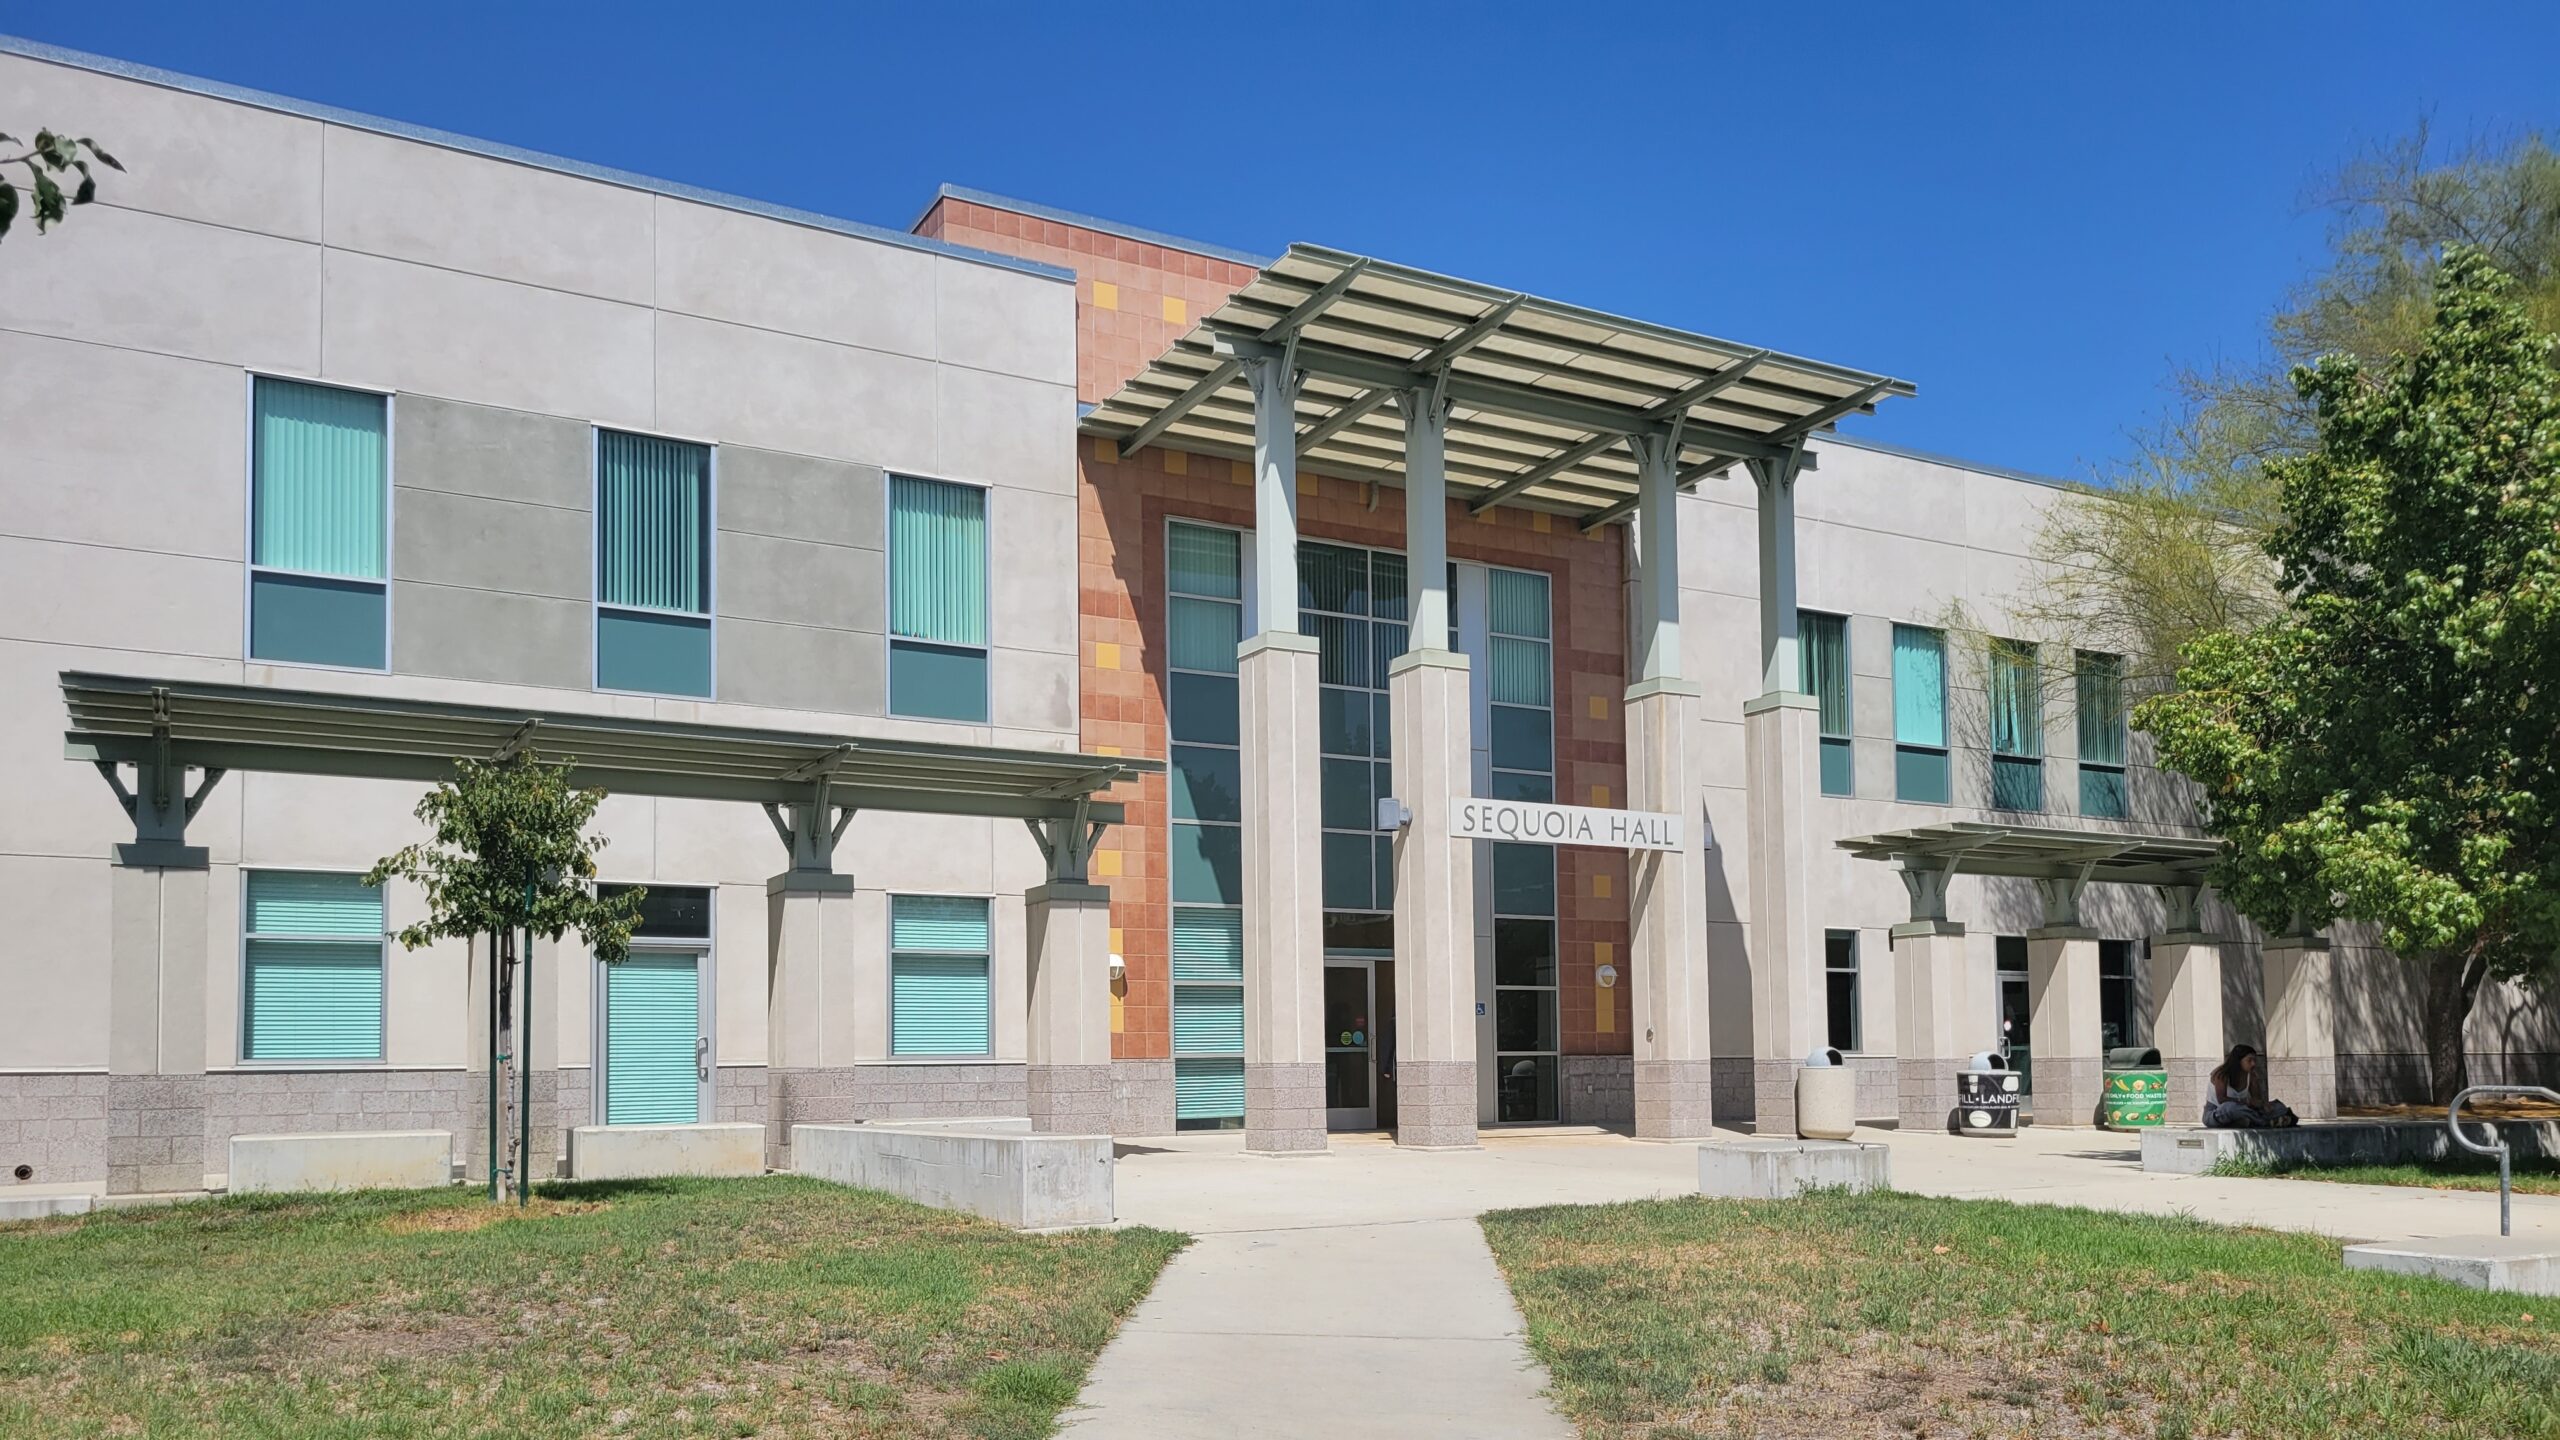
x=524, y=1070
x=493, y=1067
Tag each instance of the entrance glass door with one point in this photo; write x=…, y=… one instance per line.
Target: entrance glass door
x=1350, y=1045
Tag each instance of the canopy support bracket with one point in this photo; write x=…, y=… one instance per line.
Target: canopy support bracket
x=1068, y=844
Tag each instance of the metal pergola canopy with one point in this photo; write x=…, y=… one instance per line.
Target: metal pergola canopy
x=2035, y=853
x=1543, y=395
x=117, y=719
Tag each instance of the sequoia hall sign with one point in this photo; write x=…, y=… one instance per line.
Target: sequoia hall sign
x=1563, y=825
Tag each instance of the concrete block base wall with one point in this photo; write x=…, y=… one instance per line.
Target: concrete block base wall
x=1284, y=1108
x=155, y=1134
x=56, y=1126
x=890, y=1092
x=356, y=1160
x=1027, y=1181
x=1142, y=1097
x=1779, y=1169
x=1675, y=1099
x=1436, y=1104
x=1596, y=1090
x=646, y=1152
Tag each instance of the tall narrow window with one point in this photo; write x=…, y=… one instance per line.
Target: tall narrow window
x=1521, y=718
x=938, y=600
x=653, y=565
x=2017, y=727
x=2119, y=1014
x=2101, y=705
x=1823, y=647
x=1919, y=715
x=1353, y=602
x=1840, y=987
x=938, y=1001
x=1204, y=622
x=318, y=513
x=312, y=982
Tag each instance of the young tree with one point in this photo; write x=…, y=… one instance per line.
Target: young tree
x=510, y=856
x=2385, y=749
x=50, y=160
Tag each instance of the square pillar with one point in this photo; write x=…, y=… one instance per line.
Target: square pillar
x=812, y=993
x=1283, y=894
x=1781, y=738
x=1932, y=1023
x=1068, y=931
x=2064, y=1024
x=1435, y=904
x=2186, y=1017
x=156, y=1020
x=2302, y=1037
x=1667, y=953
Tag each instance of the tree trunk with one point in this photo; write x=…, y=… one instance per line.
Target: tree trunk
x=2453, y=980
x=501, y=1158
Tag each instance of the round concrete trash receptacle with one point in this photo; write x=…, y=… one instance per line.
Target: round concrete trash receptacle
x=2134, y=1093
x=1826, y=1097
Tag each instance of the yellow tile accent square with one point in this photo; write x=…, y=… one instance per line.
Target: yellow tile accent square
x=1106, y=749
x=1107, y=451
x=1106, y=655
x=1599, y=887
x=1599, y=707
x=1106, y=862
x=1119, y=1016
x=1600, y=797
x=1106, y=296
x=1601, y=950
x=1539, y=520
x=1176, y=463
x=1604, y=1020
x=1175, y=311
x=1306, y=484
x=1485, y=517
x=1119, y=940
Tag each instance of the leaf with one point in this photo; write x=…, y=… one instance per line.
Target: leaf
x=102, y=156
x=8, y=206
x=49, y=202
x=87, y=192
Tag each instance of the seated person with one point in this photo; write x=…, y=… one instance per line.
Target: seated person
x=2229, y=1104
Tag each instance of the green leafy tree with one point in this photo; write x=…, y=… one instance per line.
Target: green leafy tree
x=510, y=856
x=53, y=159
x=2385, y=747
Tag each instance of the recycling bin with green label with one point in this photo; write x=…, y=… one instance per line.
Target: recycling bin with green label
x=2134, y=1094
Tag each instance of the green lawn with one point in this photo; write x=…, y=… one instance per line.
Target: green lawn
x=2532, y=1177
x=770, y=1307
x=1899, y=1315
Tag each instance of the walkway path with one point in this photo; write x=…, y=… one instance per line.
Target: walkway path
x=1351, y=1295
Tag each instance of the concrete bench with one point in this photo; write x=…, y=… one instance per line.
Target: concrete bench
x=2188, y=1150
x=2522, y=1264
x=343, y=1160
x=1013, y=1177
x=650, y=1152
x=1780, y=1169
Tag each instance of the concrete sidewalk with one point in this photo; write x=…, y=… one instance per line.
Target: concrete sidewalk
x=1351, y=1294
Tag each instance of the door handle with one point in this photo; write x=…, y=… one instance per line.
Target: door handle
x=702, y=1059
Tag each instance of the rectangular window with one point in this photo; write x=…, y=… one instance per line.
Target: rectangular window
x=2100, y=699
x=2017, y=727
x=653, y=565
x=1823, y=649
x=1919, y=715
x=938, y=1002
x=1520, y=741
x=2119, y=1018
x=938, y=600
x=319, y=512
x=1204, y=622
x=1840, y=987
x=1353, y=602
x=312, y=968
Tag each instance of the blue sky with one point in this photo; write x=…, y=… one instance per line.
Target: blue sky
x=2032, y=212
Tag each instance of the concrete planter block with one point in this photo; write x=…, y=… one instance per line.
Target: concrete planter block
x=1826, y=1102
x=346, y=1160
x=647, y=1152
x=38, y=1207
x=1779, y=1169
x=2522, y=1264
x=2186, y=1150
x=1027, y=1181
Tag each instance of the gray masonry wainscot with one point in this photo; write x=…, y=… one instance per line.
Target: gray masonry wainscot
x=1780, y=1169
x=1008, y=1175
x=2521, y=1264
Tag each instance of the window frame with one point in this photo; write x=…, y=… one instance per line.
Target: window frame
x=2124, y=736
x=889, y=638
x=1944, y=749
x=1489, y=1037
x=706, y=1005
x=250, y=569
x=889, y=979
x=709, y=614
x=241, y=1058
x=2031, y=656
x=1845, y=742
x=1856, y=971
x=1165, y=671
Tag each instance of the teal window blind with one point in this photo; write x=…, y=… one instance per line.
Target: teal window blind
x=2017, y=727
x=312, y=982
x=1207, y=1089
x=1208, y=1019
x=1522, y=670
x=1823, y=656
x=938, y=1001
x=1204, y=621
x=937, y=600
x=2099, y=687
x=319, y=510
x=653, y=565
x=652, y=1033
x=1920, y=770
x=1208, y=1014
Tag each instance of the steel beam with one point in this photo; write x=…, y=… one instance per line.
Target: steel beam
x=1201, y=389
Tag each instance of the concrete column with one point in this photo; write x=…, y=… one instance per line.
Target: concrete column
x=1068, y=929
x=2186, y=1019
x=1666, y=892
x=1283, y=897
x=2063, y=1022
x=811, y=996
x=1435, y=903
x=2302, y=1037
x=1782, y=752
x=156, y=1021
x=1933, y=1025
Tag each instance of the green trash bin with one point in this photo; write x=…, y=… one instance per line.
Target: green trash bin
x=2135, y=1095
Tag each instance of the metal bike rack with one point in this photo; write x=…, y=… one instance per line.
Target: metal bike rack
x=2498, y=1142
